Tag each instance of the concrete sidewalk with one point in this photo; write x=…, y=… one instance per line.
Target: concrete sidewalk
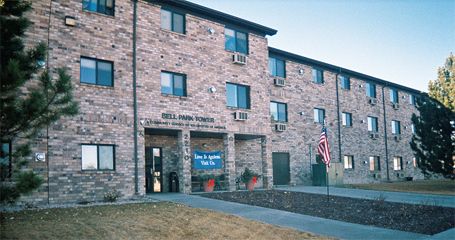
x=412, y=198
x=316, y=225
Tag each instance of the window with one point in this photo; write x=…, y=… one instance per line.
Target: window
x=172, y=21
x=393, y=96
x=371, y=90
x=173, y=84
x=236, y=41
x=277, y=67
x=375, y=164
x=238, y=95
x=396, y=128
x=100, y=6
x=97, y=72
x=372, y=124
x=346, y=119
x=279, y=111
x=348, y=162
x=319, y=115
x=397, y=163
x=412, y=99
x=414, y=162
x=345, y=82
x=5, y=160
x=98, y=157
x=318, y=77
x=413, y=128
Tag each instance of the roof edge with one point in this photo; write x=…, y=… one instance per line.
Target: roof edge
x=224, y=17
x=337, y=69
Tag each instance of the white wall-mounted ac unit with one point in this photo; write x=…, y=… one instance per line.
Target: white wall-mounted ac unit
x=280, y=82
x=239, y=58
x=372, y=101
x=240, y=116
x=279, y=127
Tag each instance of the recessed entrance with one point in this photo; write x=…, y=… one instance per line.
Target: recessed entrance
x=281, y=169
x=153, y=170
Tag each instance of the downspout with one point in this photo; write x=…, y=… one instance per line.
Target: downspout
x=136, y=180
x=47, y=127
x=385, y=135
x=338, y=115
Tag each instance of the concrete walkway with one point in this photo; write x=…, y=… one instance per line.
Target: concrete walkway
x=316, y=225
x=413, y=198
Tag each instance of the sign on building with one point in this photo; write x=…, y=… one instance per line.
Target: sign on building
x=207, y=160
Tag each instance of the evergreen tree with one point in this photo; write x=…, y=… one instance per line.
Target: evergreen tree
x=30, y=98
x=443, y=88
x=434, y=140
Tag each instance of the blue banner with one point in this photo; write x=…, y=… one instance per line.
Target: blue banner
x=207, y=160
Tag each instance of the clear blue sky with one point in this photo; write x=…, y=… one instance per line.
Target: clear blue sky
x=402, y=41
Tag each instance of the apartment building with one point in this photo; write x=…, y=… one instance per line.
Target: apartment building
x=163, y=84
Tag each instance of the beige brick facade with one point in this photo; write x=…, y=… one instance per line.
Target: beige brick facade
x=200, y=120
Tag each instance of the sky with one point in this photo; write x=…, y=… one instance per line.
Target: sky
x=401, y=41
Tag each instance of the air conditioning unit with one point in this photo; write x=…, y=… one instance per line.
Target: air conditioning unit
x=374, y=135
x=395, y=105
x=372, y=101
x=239, y=58
x=279, y=127
x=376, y=175
x=240, y=116
x=280, y=82
x=400, y=175
x=397, y=138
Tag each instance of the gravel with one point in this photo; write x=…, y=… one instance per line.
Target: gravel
x=380, y=213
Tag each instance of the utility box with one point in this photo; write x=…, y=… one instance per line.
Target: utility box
x=335, y=174
x=173, y=182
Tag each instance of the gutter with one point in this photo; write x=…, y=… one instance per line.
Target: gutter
x=338, y=115
x=385, y=134
x=136, y=182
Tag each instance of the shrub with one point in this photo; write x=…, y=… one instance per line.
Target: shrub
x=248, y=175
x=111, y=196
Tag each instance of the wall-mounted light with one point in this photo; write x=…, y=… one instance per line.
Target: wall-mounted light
x=301, y=113
x=70, y=21
x=41, y=63
x=212, y=89
x=301, y=71
x=40, y=157
x=365, y=162
x=204, y=145
x=362, y=121
x=211, y=30
x=360, y=85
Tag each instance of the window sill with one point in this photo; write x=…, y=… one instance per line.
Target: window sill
x=234, y=52
x=239, y=109
x=99, y=14
x=170, y=31
x=348, y=169
x=173, y=96
x=96, y=85
x=280, y=122
x=375, y=171
x=98, y=171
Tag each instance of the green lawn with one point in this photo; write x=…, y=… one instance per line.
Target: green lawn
x=137, y=221
x=445, y=187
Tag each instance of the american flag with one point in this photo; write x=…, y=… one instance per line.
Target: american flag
x=323, y=147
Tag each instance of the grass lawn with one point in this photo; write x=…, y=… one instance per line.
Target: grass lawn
x=445, y=187
x=137, y=221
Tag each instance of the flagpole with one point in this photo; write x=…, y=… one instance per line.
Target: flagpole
x=327, y=180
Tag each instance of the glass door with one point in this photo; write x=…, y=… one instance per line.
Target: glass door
x=153, y=170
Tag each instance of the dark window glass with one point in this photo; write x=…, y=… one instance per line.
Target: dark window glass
x=346, y=119
x=95, y=71
x=277, y=67
x=319, y=115
x=345, y=82
x=98, y=157
x=318, y=76
x=173, y=84
x=236, y=41
x=279, y=111
x=172, y=21
x=5, y=160
x=373, y=124
x=100, y=6
x=393, y=96
x=412, y=99
x=238, y=95
x=371, y=90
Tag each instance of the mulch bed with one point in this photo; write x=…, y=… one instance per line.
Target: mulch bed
x=405, y=217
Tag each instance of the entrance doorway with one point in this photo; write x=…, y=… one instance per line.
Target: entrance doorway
x=281, y=169
x=153, y=170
